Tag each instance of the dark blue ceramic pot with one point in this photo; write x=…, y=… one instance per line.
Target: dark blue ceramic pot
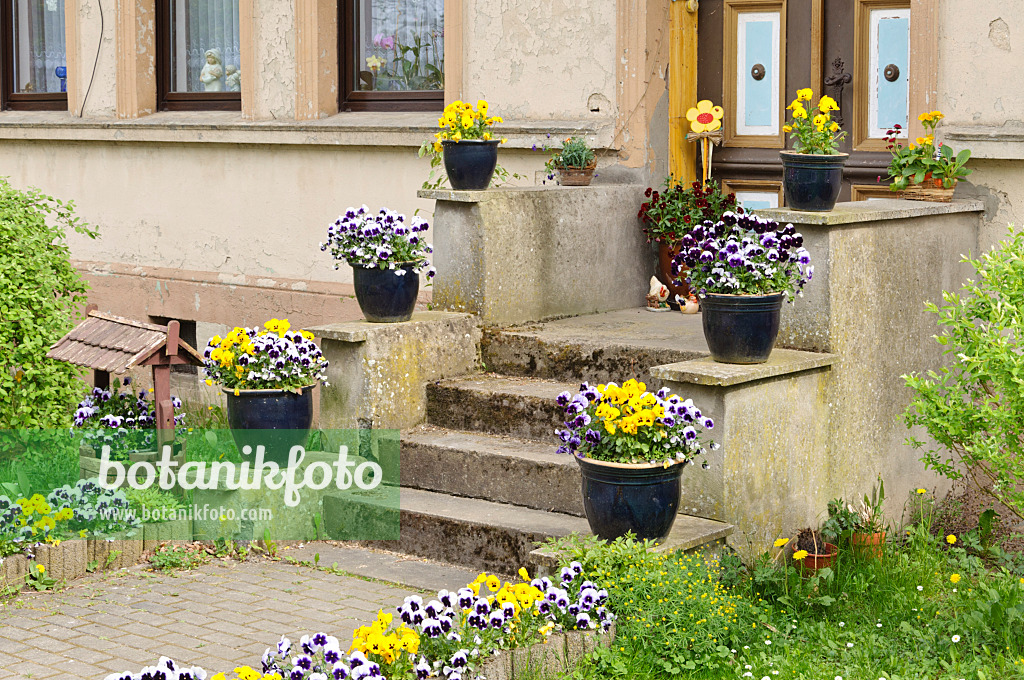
x=470, y=163
x=811, y=182
x=620, y=498
x=741, y=329
x=274, y=419
x=384, y=295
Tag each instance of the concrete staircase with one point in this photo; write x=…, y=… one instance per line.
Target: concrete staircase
x=481, y=483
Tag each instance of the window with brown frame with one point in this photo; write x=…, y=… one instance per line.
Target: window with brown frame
x=198, y=55
x=34, y=57
x=391, y=54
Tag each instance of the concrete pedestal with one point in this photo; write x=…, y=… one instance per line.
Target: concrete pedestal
x=524, y=254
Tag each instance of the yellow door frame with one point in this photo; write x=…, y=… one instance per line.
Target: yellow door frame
x=682, y=88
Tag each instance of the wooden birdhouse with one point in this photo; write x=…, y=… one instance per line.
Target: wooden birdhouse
x=112, y=344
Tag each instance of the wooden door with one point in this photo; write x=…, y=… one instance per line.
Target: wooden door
x=753, y=55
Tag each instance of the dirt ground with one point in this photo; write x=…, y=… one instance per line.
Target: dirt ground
x=958, y=514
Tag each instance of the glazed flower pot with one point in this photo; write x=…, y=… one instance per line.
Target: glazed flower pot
x=666, y=252
x=811, y=182
x=470, y=163
x=868, y=545
x=386, y=295
x=576, y=177
x=741, y=329
x=620, y=498
x=274, y=419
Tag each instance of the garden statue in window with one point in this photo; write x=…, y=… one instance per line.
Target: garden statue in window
x=233, y=78
x=212, y=72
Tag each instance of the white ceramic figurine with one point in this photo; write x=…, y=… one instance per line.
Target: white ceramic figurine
x=212, y=72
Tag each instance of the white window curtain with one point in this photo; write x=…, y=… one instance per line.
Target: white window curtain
x=206, y=46
x=402, y=44
x=39, y=45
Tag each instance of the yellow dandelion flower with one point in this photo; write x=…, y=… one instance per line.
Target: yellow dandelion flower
x=954, y=578
x=779, y=542
x=951, y=539
x=800, y=554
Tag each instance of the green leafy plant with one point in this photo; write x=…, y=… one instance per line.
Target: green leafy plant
x=974, y=407
x=870, y=519
x=575, y=153
x=153, y=505
x=173, y=558
x=40, y=295
x=915, y=164
x=813, y=131
x=842, y=521
x=37, y=578
x=670, y=214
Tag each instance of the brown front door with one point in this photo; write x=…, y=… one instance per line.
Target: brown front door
x=753, y=55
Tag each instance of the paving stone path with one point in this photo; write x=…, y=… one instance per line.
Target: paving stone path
x=218, y=616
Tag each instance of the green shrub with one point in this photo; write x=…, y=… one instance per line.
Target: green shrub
x=153, y=505
x=40, y=292
x=173, y=557
x=974, y=408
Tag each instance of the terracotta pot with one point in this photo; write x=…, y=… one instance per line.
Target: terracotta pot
x=813, y=562
x=666, y=252
x=868, y=545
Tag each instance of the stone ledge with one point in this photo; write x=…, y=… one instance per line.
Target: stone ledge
x=400, y=129
x=706, y=371
x=362, y=330
x=462, y=196
x=987, y=141
x=871, y=211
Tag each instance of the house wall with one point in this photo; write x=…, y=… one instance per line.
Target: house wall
x=981, y=57
x=217, y=217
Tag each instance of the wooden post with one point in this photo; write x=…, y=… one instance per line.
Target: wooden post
x=682, y=93
x=163, y=407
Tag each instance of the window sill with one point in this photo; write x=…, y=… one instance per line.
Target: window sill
x=343, y=129
x=1004, y=143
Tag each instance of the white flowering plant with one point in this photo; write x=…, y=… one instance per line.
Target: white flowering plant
x=744, y=255
x=123, y=420
x=272, y=357
x=379, y=241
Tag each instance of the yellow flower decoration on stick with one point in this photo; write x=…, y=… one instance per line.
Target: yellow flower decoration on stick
x=705, y=116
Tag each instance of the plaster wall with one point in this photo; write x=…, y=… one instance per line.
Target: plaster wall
x=981, y=56
x=542, y=58
x=273, y=59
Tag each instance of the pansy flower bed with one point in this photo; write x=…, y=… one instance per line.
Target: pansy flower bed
x=449, y=636
x=122, y=420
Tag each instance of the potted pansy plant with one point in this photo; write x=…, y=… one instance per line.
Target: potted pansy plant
x=813, y=169
x=742, y=267
x=268, y=375
x=466, y=145
x=387, y=255
x=631, y=446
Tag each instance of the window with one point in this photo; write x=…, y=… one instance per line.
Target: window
x=198, y=55
x=34, y=56
x=392, y=55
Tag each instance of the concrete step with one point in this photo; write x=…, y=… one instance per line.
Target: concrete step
x=479, y=534
x=613, y=346
x=468, y=532
x=492, y=467
x=518, y=407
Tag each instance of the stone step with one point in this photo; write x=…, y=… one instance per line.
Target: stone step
x=492, y=467
x=518, y=407
x=480, y=534
x=613, y=346
x=468, y=532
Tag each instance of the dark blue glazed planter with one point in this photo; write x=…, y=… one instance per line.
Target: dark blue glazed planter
x=620, y=498
x=385, y=296
x=741, y=329
x=470, y=163
x=274, y=419
x=811, y=182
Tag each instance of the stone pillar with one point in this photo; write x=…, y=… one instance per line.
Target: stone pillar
x=517, y=255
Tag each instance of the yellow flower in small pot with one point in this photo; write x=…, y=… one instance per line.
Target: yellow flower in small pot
x=813, y=170
x=467, y=146
x=925, y=171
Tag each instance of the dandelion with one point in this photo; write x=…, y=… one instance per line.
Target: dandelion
x=920, y=491
x=951, y=539
x=779, y=542
x=799, y=555
x=954, y=578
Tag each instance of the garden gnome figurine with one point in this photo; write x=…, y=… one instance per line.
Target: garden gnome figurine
x=212, y=72
x=233, y=79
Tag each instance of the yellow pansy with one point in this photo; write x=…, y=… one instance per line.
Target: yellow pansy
x=787, y=128
x=826, y=104
x=800, y=112
x=805, y=94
